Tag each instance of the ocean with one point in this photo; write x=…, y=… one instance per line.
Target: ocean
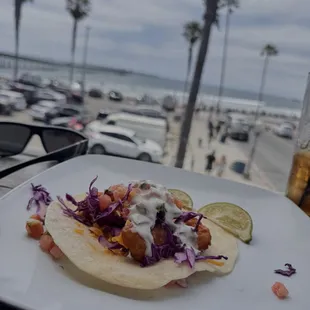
x=135, y=85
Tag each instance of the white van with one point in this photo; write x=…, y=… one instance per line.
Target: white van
x=145, y=127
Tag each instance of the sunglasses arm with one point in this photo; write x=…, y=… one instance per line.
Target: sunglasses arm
x=58, y=155
x=47, y=157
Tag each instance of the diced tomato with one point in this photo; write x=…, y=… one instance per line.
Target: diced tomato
x=35, y=217
x=280, y=290
x=104, y=202
x=46, y=243
x=34, y=228
x=56, y=252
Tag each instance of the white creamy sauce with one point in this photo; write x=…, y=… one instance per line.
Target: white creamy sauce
x=143, y=214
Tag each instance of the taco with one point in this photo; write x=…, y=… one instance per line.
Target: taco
x=135, y=236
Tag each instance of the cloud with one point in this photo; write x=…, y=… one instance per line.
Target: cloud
x=145, y=35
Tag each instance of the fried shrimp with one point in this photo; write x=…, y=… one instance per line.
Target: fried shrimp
x=136, y=244
x=137, y=247
x=203, y=235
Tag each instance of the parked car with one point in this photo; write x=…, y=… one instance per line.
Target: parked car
x=145, y=127
x=26, y=90
x=147, y=100
x=239, y=132
x=95, y=93
x=17, y=100
x=114, y=140
x=115, y=96
x=77, y=122
x=39, y=110
x=64, y=111
x=4, y=85
x=59, y=87
x=5, y=105
x=103, y=114
x=47, y=95
x=169, y=103
x=31, y=80
x=146, y=111
x=284, y=131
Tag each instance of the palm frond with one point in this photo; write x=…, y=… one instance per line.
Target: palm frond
x=269, y=50
x=192, y=32
x=78, y=8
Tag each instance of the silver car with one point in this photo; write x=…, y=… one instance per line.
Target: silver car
x=39, y=110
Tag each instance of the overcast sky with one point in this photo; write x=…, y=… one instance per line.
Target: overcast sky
x=145, y=35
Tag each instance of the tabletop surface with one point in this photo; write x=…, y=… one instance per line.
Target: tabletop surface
x=17, y=178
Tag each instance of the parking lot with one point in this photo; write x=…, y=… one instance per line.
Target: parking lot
x=94, y=106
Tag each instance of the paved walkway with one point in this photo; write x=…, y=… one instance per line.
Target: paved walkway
x=195, y=157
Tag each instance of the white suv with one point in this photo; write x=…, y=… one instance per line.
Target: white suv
x=114, y=140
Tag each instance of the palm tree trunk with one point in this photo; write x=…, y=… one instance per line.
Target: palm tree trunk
x=189, y=64
x=186, y=126
x=224, y=58
x=17, y=12
x=262, y=85
x=73, y=45
x=260, y=99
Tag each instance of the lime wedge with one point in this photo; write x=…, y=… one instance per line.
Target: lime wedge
x=184, y=197
x=230, y=217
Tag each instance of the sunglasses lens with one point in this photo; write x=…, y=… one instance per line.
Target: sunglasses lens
x=56, y=139
x=13, y=139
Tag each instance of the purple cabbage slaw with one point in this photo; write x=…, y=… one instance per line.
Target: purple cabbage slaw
x=40, y=198
x=172, y=248
x=90, y=208
x=290, y=270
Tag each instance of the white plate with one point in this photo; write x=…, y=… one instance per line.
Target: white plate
x=281, y=235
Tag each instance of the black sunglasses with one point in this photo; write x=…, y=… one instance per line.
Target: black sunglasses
x=59, y=143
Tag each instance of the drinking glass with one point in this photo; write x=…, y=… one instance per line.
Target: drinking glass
x=298, y=186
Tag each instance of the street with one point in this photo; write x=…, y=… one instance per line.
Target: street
x=273, y=158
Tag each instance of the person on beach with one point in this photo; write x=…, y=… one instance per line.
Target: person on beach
x=210, y=136
x=218, y=128
x=221, y=166
x=210, y=131
x=210, y=159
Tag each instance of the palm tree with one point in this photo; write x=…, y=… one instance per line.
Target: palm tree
x=210, y=17
x=78, y=9
x=269, y=50
x=229, y=4
x=18, y=4
x=191, y=33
